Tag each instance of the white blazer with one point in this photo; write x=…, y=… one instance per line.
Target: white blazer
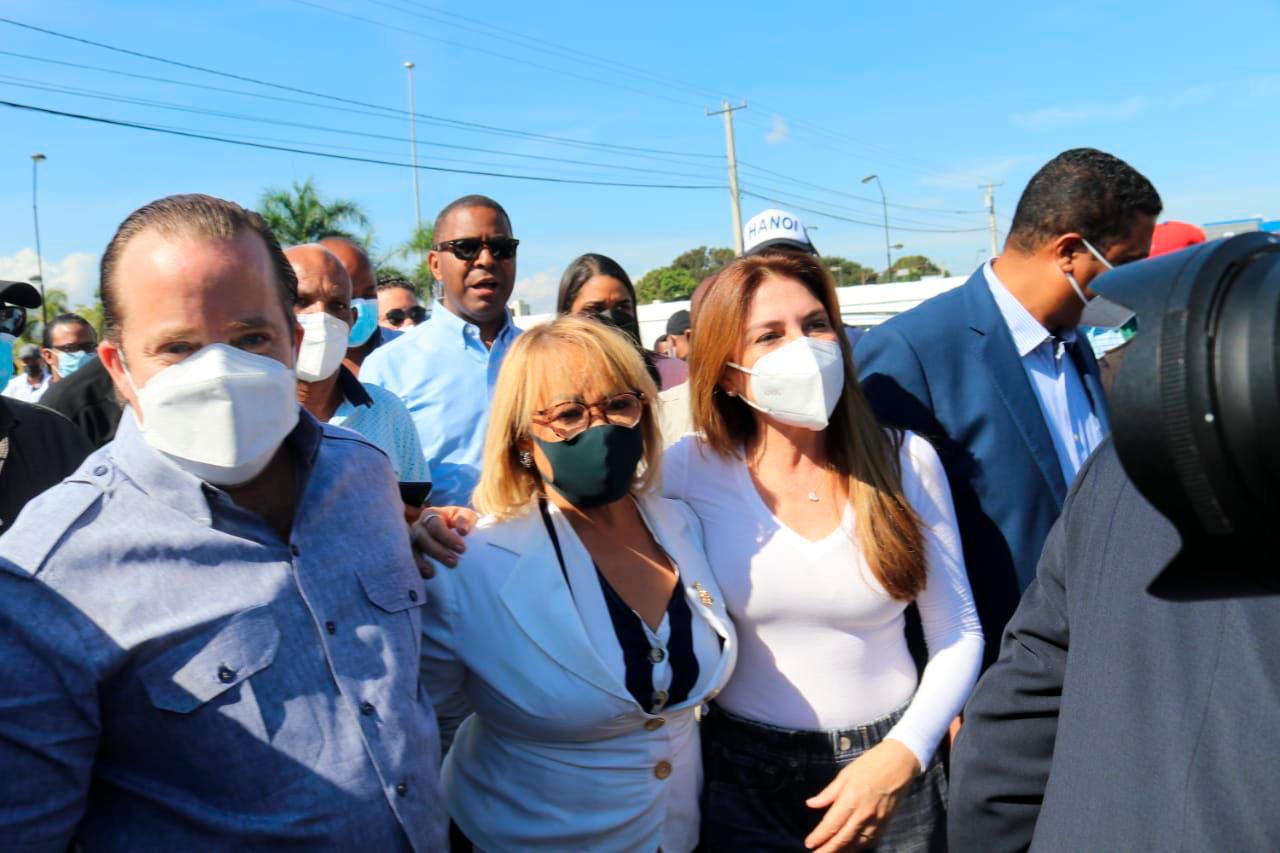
x=557, y=754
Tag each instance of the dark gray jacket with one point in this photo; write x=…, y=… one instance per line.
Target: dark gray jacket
x=1122, y=716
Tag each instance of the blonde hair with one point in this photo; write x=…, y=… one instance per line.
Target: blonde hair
x=858, y=447
x=551, y=358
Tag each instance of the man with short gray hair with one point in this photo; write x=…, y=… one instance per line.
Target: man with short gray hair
x=209, y=634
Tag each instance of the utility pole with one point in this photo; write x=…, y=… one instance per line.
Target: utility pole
x=413, y=152
x=888, y=257
x=991, y=212
x=36, y=160
x=728, y=111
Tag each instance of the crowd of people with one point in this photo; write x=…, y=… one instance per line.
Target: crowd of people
x=290, y=561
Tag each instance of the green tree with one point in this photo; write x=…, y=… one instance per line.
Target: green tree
x=665, y=284
x=413, y=251
x=847, y=272
x=301, y=215
x=914, y=268
x=702, y=262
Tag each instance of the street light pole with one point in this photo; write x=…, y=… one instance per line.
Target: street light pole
x=888, y=259
x=413, y=151
x=36, y=160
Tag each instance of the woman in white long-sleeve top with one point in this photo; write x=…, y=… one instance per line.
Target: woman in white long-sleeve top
x=582, y=624
x=821, y=527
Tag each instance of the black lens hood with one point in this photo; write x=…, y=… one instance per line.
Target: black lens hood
x=1195, y=407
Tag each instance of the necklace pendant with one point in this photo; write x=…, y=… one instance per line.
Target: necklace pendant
x=813, y=496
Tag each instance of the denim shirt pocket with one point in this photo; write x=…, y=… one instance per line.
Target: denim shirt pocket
x=392, y=590
x=199, y=670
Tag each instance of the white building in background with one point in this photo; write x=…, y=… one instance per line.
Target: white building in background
x=860, y=305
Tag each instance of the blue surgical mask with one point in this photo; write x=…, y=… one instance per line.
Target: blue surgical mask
x=6, y=357
x=366, y=323
x=70, y=362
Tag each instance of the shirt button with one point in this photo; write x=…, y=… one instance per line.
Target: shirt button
x=845, y=743
x=402, y=788
x=657, y=655
x=99, y=470
x=662, y=769
x=660, y=700
x=413, y=595
x=331, y=627
x=226, y=674
x=654, y=724
x=295, y=550
x=366, y=708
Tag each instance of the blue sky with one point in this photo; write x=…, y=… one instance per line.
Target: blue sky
x=932, y=97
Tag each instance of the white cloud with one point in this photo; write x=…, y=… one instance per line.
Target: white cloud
x=778, y=131
x=539, y=290
x=76, y=274
x=968, y=176
x=1066, y=116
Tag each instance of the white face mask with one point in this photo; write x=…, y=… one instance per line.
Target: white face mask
x=324, y=343
x=798, y=384
x=220, y=414
x=1099, y=312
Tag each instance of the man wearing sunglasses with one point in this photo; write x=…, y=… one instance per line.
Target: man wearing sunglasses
x=444, y=371
x=69, y=344
x=398, y=307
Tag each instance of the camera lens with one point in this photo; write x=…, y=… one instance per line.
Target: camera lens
x=1195, y=407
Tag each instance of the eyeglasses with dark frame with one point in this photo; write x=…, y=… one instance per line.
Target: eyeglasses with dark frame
x=70, y=348
x=468, y=248
x=571, y=418
x=397, y=316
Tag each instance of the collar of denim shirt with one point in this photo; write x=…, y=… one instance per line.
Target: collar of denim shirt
x=164, y=481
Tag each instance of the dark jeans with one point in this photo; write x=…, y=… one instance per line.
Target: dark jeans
x=758, y=777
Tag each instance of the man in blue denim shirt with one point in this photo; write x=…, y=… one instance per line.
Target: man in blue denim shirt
x=185, y=665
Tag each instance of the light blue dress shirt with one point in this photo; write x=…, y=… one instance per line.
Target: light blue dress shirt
x=379, y=416
x=445, y=376
x=175, y=676
x=1073, y=425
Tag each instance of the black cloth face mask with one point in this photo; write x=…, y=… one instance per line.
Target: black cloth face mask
x=597, y=466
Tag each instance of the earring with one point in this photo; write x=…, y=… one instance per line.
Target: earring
x=526, y=458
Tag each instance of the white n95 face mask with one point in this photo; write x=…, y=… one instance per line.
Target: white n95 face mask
x=798, y=384
x=324, y=343
x=220, y=414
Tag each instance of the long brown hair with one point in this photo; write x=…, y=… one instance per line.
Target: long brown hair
x=858, y=447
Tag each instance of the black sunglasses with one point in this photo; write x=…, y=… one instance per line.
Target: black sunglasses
x=13, y=319
x=468, y=248
x=397, y=316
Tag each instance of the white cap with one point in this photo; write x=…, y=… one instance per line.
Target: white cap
x=775, y=228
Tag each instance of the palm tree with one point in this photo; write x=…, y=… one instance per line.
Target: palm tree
x=300, y=215
x=413, y=251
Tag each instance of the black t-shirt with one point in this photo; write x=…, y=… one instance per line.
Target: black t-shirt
x=88, y=399
x=43, y=447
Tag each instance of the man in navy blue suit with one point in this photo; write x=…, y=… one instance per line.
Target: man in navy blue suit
x=994, y=374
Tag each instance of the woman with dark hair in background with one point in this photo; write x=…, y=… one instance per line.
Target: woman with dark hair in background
x=597, y=286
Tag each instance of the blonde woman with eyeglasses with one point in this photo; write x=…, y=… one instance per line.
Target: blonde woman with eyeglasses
x=582, y=623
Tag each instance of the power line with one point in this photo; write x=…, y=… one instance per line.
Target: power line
x=397, y=28
x=559, y=140
x=378, y=162
x=867, y=199
x=877, y=225
x=28, y=83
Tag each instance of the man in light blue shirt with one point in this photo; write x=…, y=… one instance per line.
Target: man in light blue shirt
x=210, y=632
x=444, y=370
